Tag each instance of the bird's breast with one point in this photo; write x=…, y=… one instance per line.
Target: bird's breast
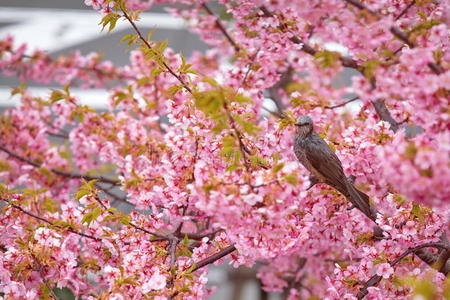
x=300, y=152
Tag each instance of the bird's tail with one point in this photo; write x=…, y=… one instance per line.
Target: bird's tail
x=360, y=200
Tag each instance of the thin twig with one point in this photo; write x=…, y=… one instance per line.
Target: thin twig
x=198, y=236
x=400, y=34
x=58, y=135
x=343, y=103
x=405, y=10
x=40, y=268
x=285, y=79
x=346, y=61
x=50, y=222
x=211, y=259
x=359, y=5
x=222, y=28
x=385, y=115
x=130, y=223
x=112, y=195
x=274, y=113
x=375, y=279
x=141, y=37
x=59, y=172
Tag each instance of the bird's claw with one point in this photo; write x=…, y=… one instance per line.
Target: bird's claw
x=352, y=207
x=312, y=182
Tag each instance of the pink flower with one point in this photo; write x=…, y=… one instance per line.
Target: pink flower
x=385, y=270
x=156, y=282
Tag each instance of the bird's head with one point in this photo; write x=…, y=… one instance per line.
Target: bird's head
x=304, y=125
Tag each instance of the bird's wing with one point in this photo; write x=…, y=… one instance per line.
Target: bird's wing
x=325, y=161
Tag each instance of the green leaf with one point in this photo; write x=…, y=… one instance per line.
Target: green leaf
x=426, y=289
x=415, y=211
x=288, y=120
x=327, y=58
x=87, y=218
x=258, y=161
x=221, y=124
x=150, y=34
x=64, y=293
x=369, y=68
x=211, y=81
x=209, y=101
x=155, y=72
x=291, y=178
x=125, y=220
x=19, y=90
x=109, y=20
x=278, y=167
x=191, y=72
x=171, y=91
x=96, y=212
x=242, y=99
x=56, y=96
x=185, y=252
x=85, y=189
x=191, y=268
x=130, y=39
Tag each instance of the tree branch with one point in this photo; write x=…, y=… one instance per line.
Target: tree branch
x=405, y=10
x=141, y=37
x=286, y=77
x=385, y=115
x=40, y=268
x=398, y=33
x=343, y=103
x=50, y=222
x=346, y=62
x=59, y=172
x=214, y=257
x=198, y=236
x=222, y=28
x=375, y=279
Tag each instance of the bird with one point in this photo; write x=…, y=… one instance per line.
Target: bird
x=325, y=167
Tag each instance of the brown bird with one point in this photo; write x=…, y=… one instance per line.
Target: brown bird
x=323, y=164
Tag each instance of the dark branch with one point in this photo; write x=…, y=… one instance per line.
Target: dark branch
x=197, y=236
x=401, y=35
x=214, y=257
x=346, y=61
x=40, y=268
x=59, y=172
x=375, y=279
x=281, y=84
x=51, y=223
x=141, y=37
x=403, y=12
x=359, y=5
x=343, y=103
x=222, y=28
x=58, y=135
x=385, y=115
x=398, y=33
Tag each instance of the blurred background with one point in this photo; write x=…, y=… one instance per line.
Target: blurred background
x=60, y=27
